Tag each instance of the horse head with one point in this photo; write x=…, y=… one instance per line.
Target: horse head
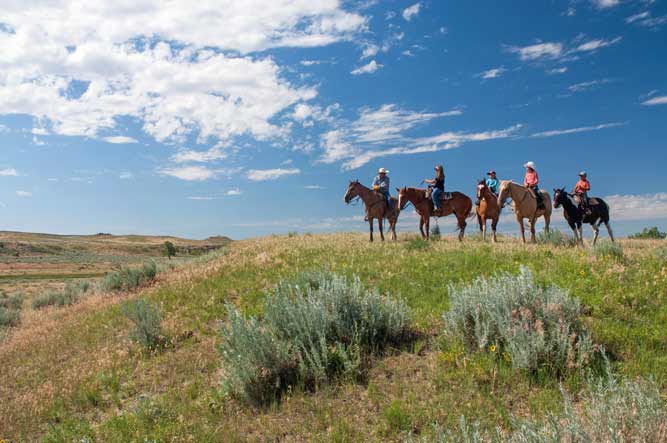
x=505, y=192
x=402, y=200
x=351, y=191
x=481, y=185
x=559, y=196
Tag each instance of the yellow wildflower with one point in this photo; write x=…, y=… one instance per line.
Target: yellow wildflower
x=492, y=348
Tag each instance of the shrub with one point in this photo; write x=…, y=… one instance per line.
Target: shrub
x=54, y=298
x=168, y=249
x=535, y=328
x=607, y=249
x=660, y=254
x=9, y=317
x=316, y=328
x=610, y=411
x=146, y=319
x=13, y=302
x=435, y=232
x=126, y=279
x=555, y=238
x=649, y=233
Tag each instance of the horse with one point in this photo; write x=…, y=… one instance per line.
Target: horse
x=576, y=216
x=488, y=209
x=524, y=203
x=375, y=207
x=459, y=204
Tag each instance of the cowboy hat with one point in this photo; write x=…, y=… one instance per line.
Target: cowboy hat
x=383, y=171
x=529, y=165
x=582, y=173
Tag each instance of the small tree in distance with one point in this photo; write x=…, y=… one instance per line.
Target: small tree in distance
x=169, y=249
x=649, y=233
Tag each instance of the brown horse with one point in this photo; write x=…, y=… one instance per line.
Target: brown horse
x=375, y=207
x=525, y=206
x=459, y=204
x=488, y=209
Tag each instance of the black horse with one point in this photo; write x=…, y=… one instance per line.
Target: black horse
x=575, y=215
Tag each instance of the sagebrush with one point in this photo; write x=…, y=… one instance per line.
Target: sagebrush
x=315, y=328
x=610, y=250
x=555, y=238
x=147, y=324
x=535, y=328
x=126, y=279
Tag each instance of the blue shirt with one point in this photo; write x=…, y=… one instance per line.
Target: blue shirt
x=492, y=184
x=383, y=183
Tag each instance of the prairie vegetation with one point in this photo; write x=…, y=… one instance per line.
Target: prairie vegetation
x=442, y=342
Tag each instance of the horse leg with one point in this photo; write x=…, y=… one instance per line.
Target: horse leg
x=421, y=227
x=494, y=224
x=596, y=231
x=462, y=226
x=482, y=226
x=370, y=224
x=611, y=234
x=532, y=222
x=479, y=221
x=392, y=228
x=381, y=228
x=523, y=234
x=428, y=228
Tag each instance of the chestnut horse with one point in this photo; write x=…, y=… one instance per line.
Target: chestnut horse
x=525, y=206
x=488, y=209
x=459, y=204
x=375, y=207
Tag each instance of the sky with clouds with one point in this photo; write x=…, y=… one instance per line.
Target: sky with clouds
x=245, y=118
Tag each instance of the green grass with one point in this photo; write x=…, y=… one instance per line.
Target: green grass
x=175, y=395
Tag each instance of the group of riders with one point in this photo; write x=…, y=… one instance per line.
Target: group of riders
x=530, y=181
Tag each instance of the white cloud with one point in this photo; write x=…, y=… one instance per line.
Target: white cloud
x=604, y=4
x=370, y=50
x=638, y=207
x=189, y=173
x=271, y=174
x=201, y=198
x=314, y=187
x=412, y=11
x=368, y=68
x=24, y=194
x=539, y=51
x=187, y=155
x=161, y=63
x=4, y=129
x=120, y=139
x=233, y=192
x=661, y=100
x=636, y=17
x=556, y=132
x=594, y=45
x=126, y=176
x=561, y=70
x=585, y=86
x=310, y=62
x=9, y=172
x=39, y=131
x=492, y=73
x=646, y=20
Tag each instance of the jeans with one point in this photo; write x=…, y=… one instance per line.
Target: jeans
x=436, y=196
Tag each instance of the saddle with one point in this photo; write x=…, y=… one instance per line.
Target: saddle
x=592, y=201
x=445, y=195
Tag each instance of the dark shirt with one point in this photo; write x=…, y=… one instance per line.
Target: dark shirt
x=439, y=183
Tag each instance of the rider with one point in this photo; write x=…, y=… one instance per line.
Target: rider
x=381, y=185
x=581, y=190
x=492, y=183
x=438, y=184
x=531, y=181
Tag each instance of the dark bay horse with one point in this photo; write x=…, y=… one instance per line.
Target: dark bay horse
x=459, y=204
x=488, y=209
x=576, y=216
x=375, y=207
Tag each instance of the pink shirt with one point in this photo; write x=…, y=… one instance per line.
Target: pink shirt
x=531, y=179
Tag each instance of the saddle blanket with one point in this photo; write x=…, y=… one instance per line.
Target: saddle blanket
x=446, y=196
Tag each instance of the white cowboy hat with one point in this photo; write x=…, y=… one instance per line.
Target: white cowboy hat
x=383, y=171
x=582, y=173
x=529, y=165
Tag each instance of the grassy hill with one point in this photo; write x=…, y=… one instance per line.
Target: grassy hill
x=73, y=374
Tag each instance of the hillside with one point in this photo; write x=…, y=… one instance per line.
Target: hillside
x=73, y=374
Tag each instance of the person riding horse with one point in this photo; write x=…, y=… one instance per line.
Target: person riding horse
x=381, y=185
x=438, y=185
x=531, y=181
x=581, y=192
x=492, y=183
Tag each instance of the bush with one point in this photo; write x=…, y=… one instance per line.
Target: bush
x=650, y=234
x=535, y=328
x=9, y=317
x=53, y=298
x=126, y=279
x=13, y=302
x=168, y=249
x=611, y=411
x=146, y=319
x=607, y=249
x=316, y=328
x=555, y=238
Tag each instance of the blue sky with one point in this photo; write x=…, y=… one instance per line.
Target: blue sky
x=245, y=118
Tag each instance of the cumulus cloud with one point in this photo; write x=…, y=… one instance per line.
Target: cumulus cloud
x=492, y=73
x=9, y=172
x=556, y=132
x=188, y=155
x=189, y=173
x=271, y=174
x=368, y=68
x=119, y=139
x=179, y=68
x=411, y=11
x=638, y=207
x=661, y=100
x=233, y=192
